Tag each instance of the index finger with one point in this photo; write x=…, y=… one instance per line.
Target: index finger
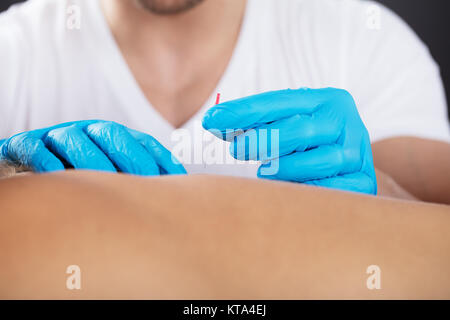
x=252, y=111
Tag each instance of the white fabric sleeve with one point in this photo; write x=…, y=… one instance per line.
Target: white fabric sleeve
x=395, y=81
x=14, y=60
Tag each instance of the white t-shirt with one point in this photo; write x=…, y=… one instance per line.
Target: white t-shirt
x=53, y=72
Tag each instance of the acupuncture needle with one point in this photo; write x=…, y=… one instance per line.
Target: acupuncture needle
x=218, y=99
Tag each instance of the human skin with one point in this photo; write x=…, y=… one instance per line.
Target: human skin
x=178, y=60
x=207, y=237
x=420, y=166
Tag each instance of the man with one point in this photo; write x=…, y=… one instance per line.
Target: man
x=156, y=65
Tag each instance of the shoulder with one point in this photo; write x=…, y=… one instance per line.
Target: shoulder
x=356, y=31
x=361, y=26
x=338, y=15
x=33, y=14
x=27, y=33
x=25, y=28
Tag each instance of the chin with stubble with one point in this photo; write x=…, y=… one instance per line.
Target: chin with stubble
x=168, y=7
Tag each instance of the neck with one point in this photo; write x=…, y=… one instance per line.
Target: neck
x=176, y=59
x=210, y=26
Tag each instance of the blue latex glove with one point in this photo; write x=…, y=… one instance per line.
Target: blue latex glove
x=94, y=145
x=321, y=139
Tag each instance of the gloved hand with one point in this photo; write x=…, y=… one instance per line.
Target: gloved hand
x=321, y=138
x=94, y=145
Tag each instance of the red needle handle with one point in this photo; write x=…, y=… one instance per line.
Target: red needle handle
x=218, y=98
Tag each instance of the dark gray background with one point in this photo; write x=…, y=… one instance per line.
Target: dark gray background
x=429, y=18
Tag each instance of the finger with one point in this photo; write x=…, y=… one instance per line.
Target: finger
x=74, y=146
x=356, y=182
x=122, y=149
x=32, y=153
x=319, y=163
x=283, y=137
x=246, y=113
x=160, y=154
